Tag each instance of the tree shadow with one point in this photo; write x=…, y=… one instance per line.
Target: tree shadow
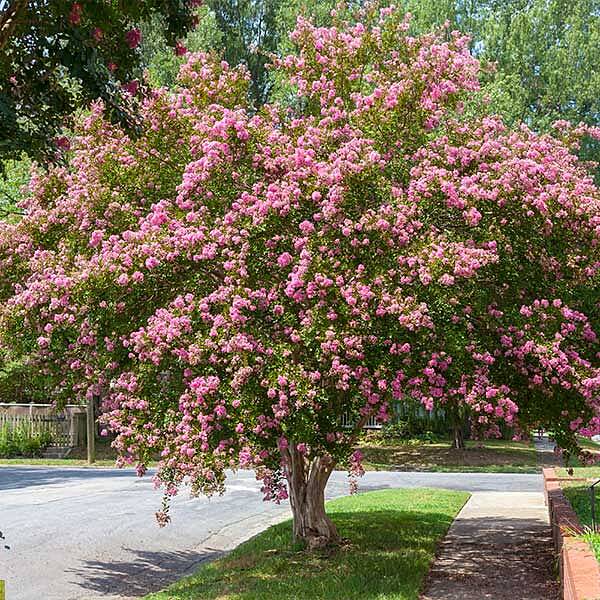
x=496, y=559
x=388, y=552
x=146, y=572
x=14, y=478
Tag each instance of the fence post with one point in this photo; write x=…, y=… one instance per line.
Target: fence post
x=91, y=435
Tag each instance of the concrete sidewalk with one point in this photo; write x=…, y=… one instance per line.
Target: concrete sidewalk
x=546, y=455
x=498, y=548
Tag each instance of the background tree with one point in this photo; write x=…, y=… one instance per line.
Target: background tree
x=235, y=283
x=250, y=35
x=162, y=62
x=57, y=55
x=547, y=56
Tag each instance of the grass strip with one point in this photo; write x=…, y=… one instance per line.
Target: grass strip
x=391, y=536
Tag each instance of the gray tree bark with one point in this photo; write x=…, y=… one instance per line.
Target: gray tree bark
x=307, y=479
x=458, y=439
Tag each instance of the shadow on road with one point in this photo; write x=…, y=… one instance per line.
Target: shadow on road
x=146, y=571
x=14, y=478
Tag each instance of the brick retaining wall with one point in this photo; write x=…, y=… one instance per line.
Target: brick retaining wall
x=579, y=569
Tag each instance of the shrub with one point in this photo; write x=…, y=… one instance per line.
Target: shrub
x=19, y=440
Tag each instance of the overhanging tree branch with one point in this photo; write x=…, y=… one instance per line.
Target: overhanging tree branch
x=8, y=20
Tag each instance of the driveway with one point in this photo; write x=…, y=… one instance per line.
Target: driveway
x=76, y=534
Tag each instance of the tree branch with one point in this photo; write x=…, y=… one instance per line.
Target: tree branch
x=9, y=19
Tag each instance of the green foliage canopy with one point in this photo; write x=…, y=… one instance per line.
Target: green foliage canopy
x=56, y=55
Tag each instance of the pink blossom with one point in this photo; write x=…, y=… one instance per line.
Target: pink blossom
x=133, y=37
x=151, y=262
x=75, y=14
x=306, y=227
x=131, y=87
x=284, y=259
x=63, y=143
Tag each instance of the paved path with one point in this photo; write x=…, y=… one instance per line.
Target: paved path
x=545, y=451
x=499, y=547
x=79, y=534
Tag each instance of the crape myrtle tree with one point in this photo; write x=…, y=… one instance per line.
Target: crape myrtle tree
x=237, y=286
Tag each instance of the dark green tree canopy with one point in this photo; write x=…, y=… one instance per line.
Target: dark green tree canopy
x=56, y=55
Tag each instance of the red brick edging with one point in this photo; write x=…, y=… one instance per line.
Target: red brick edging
x=579, y=569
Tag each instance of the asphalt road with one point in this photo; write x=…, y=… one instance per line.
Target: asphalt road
x=82, y=534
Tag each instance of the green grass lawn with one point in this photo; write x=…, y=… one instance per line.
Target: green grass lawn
x=580, y=472
x=588, y=445
x=492, y=456
x=391, y=537
x=579, y=497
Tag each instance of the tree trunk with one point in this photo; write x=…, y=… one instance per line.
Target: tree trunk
x=306, y=481
x=458, y=439
x=458, y=421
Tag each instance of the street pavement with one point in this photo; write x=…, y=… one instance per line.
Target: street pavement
x=90, y=534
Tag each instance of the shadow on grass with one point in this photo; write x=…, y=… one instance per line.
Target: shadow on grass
x=387, y=555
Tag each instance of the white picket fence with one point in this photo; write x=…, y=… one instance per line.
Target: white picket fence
x=372, y=423
x=58, y=426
